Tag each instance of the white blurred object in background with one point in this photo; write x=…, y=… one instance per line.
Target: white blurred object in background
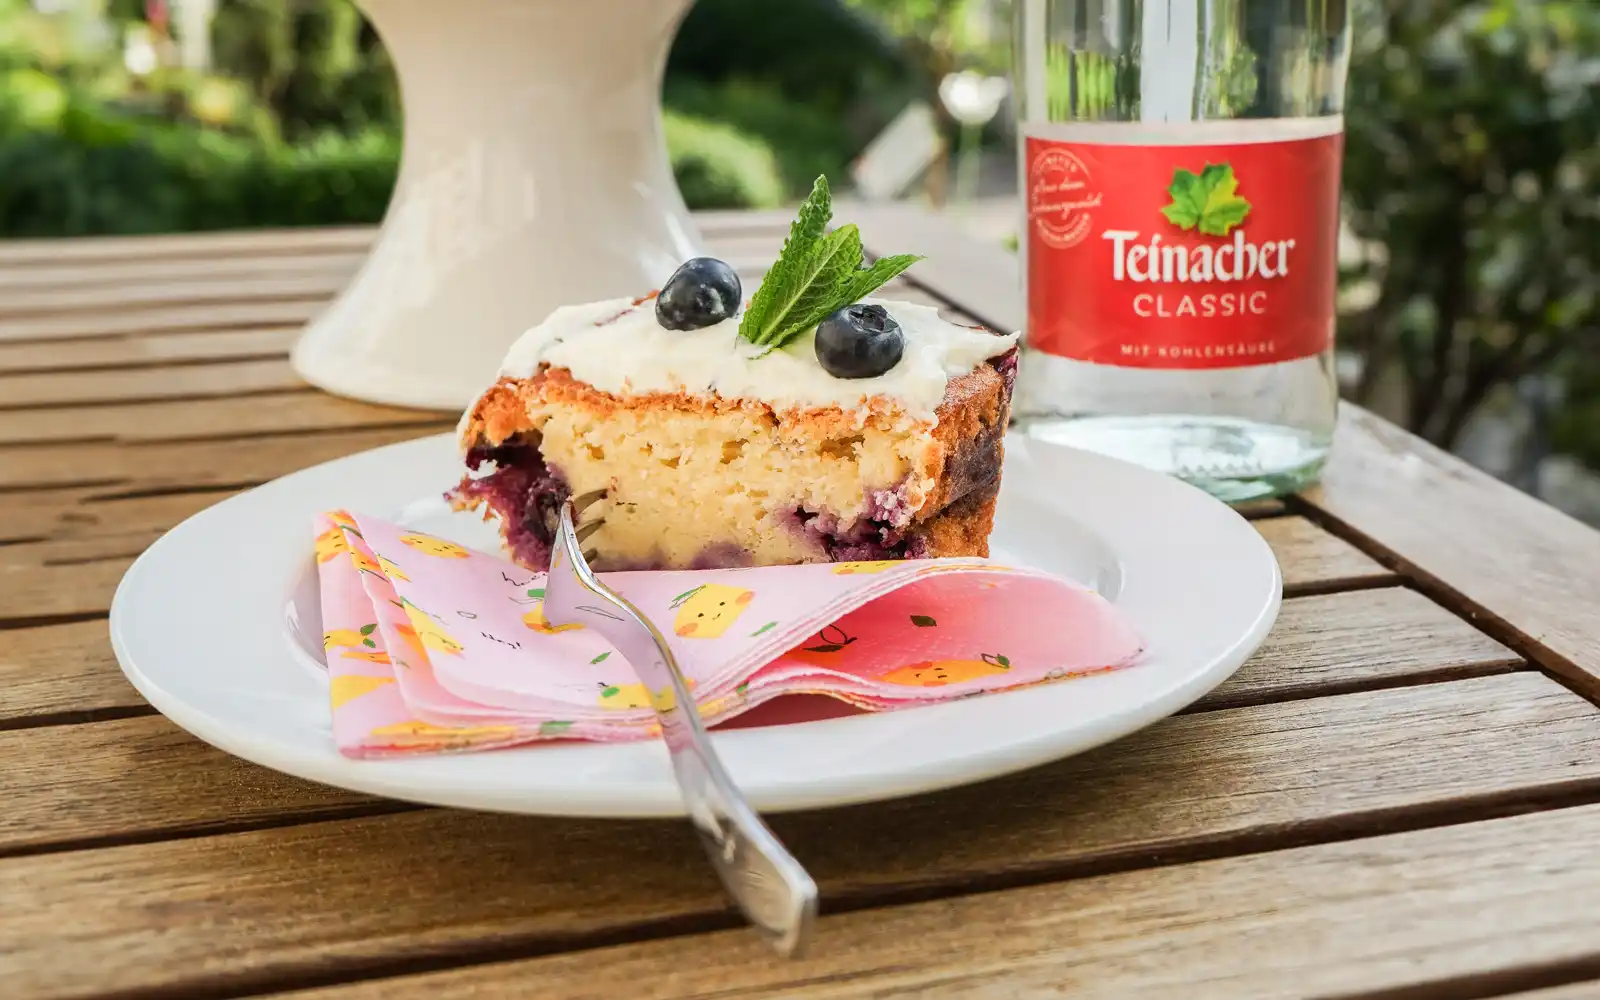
x=898, y=155
x=972, y=99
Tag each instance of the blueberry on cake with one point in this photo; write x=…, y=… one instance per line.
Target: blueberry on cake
x=811, y=423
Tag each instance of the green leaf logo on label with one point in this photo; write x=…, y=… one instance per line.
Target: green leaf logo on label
x=1208, y=201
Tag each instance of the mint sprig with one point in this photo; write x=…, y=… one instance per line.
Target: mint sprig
x=817, y=273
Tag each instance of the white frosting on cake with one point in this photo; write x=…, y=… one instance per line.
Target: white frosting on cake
x=618, y=347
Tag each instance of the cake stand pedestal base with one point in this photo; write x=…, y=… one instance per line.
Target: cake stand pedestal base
x=534, y=174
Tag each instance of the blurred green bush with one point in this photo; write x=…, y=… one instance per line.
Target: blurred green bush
x=718, y=166
x=300, y=124
x=1472, y=179
x=802, y=140
x=92, y=171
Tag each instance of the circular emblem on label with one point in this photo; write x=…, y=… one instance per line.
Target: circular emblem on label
x=1060, y=198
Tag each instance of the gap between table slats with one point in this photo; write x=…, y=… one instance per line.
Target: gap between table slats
x=326, y=901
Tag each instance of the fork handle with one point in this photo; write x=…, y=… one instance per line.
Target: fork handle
x=771, y=888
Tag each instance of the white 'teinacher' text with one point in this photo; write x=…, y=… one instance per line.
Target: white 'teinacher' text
x=1234, y=261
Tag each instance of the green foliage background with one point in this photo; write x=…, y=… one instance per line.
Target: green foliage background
x=300, y=121
x=1472, y=176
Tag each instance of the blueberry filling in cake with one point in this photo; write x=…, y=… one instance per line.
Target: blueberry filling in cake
x=810, y=423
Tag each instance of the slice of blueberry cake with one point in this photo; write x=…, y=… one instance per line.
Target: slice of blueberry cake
x=813, y=423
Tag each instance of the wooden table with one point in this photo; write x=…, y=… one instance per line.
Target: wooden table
x=1398, y=797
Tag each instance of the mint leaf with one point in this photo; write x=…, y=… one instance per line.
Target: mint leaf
x=1208, y=201
x=778, y=288
x=826, y=270
x=814, y=275
x=869, y=279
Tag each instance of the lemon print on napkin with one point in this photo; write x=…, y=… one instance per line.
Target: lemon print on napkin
x=709, y=609
x=875, y=566
x=536, y=620
x=424, y=633
x=431, y=546
x=331, y=543
x=624, y=696
x=938, y=673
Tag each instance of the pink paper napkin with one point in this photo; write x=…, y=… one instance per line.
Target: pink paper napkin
x=435, y=647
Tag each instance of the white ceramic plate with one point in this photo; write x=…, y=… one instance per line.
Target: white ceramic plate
x=217, y=624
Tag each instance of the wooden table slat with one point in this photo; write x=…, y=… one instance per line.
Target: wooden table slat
x=225, y=270
x=1359, y=640
x=162, y=319
x=325, y=901
x=35, y=590
x=196, y=464
x=154, y=349
x=199, y=247
x=1465, y=911
x=122, y=779
x=18, y=307
x=133, y=385
x=226, y=417
x=1520, y=565
x=74, y=514
x=62, y=672
x=1314, y=561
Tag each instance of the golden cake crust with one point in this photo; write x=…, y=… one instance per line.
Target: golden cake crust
x=972, y=415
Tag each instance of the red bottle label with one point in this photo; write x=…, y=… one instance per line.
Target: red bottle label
x=1214, y=256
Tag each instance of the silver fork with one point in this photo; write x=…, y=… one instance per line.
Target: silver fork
x=773, y=891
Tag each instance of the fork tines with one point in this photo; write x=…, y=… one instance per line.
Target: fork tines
x=580, y=504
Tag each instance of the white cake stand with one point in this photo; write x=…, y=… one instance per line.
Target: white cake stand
x=534, y=173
